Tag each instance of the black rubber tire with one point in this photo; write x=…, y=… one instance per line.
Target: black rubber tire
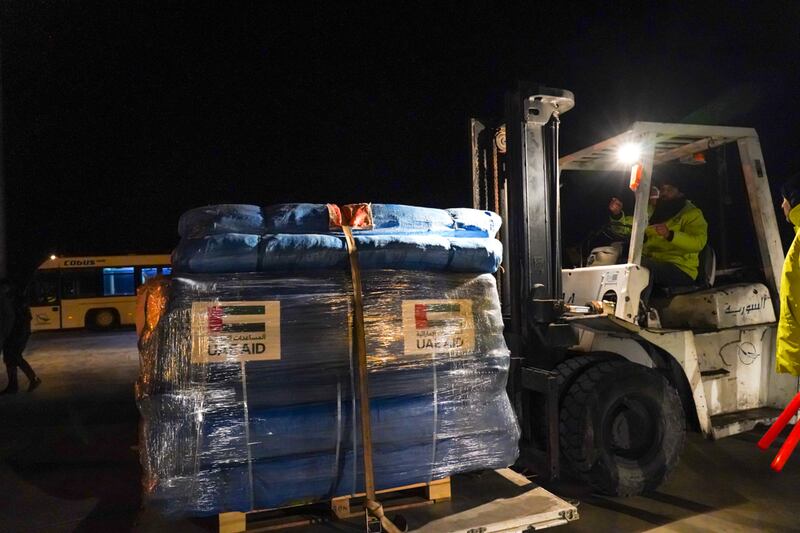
x=568, y=371
x=622, y=428
x=102, y=319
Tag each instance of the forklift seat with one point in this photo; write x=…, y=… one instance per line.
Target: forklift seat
x=706, y=272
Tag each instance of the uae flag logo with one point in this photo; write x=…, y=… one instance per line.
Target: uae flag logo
x=235, y=331
x=438, y=316
x=217, y=322
x=438, y=326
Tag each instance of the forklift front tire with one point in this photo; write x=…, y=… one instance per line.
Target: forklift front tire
x=567, y=372
x=622, y=428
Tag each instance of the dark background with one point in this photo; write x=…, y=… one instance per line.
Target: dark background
x=117, y=118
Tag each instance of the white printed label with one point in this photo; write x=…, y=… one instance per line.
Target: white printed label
x=236, y=331
x=438, y=326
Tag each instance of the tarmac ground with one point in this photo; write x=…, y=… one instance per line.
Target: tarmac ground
x=69, y=460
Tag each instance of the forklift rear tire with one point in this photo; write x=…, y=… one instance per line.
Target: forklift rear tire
x=622, y=428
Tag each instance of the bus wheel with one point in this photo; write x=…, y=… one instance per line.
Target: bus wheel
x=622, y=428
x=102, y=319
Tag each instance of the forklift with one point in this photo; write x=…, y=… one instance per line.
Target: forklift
x=604, y=384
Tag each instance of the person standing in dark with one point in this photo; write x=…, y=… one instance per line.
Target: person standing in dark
x=15, y=328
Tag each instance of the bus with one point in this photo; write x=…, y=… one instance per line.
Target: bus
x=95, y=292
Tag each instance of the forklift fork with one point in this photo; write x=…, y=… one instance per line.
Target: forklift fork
x=544, y=461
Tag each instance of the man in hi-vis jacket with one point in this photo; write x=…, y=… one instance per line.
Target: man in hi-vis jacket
x=787, y=347
x=676, y=234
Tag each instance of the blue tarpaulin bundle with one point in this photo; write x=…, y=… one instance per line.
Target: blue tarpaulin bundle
x=242, y=238
x=316, y=218
x=248, y=378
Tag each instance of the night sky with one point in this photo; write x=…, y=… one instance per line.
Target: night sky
x=117, y=118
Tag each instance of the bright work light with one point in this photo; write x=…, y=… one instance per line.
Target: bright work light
x=629, y=153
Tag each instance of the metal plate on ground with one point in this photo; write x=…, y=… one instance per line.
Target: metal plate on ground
x=493, y=502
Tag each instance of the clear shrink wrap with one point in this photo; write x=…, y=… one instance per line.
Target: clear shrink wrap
x=247, y=386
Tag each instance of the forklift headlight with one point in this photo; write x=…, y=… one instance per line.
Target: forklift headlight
x=629, y=153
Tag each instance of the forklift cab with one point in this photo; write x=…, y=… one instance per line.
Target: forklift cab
x=638, y=153
x=721, y=329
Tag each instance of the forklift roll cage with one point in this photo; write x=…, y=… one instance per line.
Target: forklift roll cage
x=662, y=143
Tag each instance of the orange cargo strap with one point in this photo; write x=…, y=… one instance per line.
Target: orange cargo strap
x=357, y=216
x=373, y=506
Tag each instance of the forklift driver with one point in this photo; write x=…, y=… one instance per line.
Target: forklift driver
x=673, y=240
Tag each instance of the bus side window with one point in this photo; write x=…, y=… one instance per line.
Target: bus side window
x=166, y=271
x=148, y=272
x=118, y=281
x=44, y=289
x=80, y=283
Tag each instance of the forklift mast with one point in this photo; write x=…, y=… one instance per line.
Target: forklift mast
x=523, y=185
x=533, y=217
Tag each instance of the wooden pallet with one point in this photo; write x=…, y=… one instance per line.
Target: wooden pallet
x=341, y=507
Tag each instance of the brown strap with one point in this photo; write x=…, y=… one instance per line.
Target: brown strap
x=376, y=509
x=373, y=506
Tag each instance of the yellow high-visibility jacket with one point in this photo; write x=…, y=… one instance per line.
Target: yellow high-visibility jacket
x=787, y=346
x=623, y=226
x=690, y=234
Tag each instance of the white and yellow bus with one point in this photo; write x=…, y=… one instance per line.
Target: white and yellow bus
x=97, y=292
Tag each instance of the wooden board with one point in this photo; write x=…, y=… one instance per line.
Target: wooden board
x=341, y=507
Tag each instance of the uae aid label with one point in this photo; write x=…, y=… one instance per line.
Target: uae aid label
x=438, y=326
x=236, y=331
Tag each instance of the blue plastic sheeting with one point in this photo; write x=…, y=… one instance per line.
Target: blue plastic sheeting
x=321, y=303
x=479, y=223
x=312, y=368
x=314, y=218
x=475, y=255
x=410, y=219
x=303, y=478
x=324, y=427
x=229, y=253
x=321, y=384
x=222, y=218
x=248, y=434
x=226, y=252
